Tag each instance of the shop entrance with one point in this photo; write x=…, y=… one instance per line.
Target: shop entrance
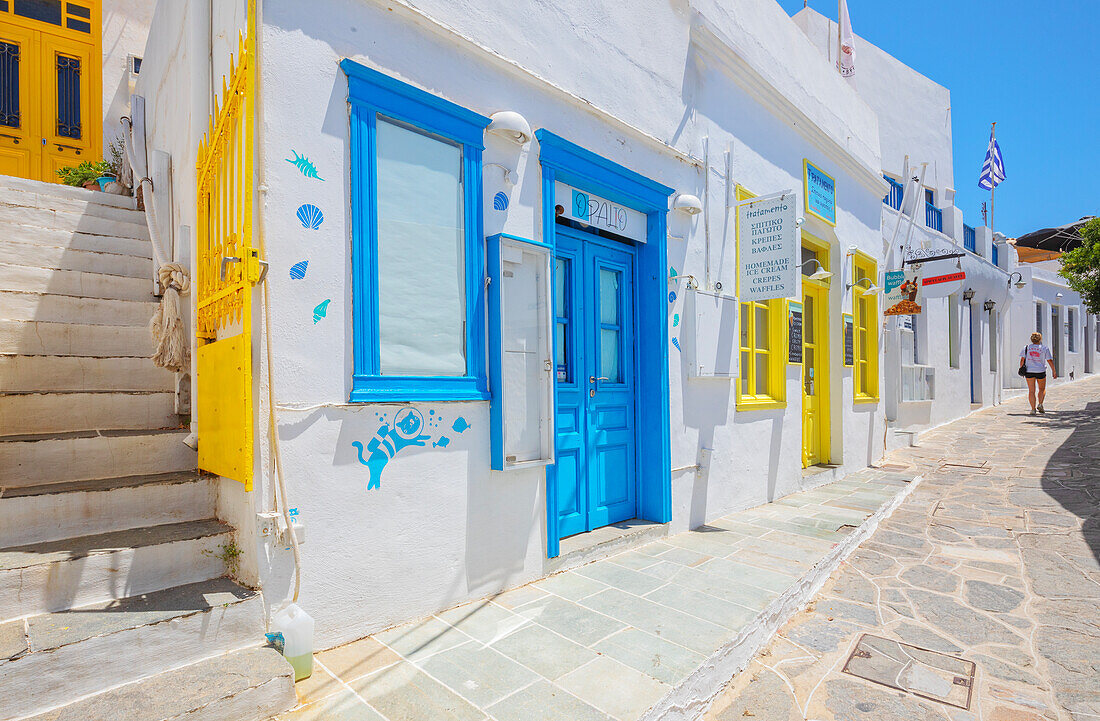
x=49, y=87
x=815, y=359
x=596, y=478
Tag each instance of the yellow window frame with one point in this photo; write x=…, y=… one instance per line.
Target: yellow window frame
x=776, y=388
x=866, y=331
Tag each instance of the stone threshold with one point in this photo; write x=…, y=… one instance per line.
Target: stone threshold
x=651, y=632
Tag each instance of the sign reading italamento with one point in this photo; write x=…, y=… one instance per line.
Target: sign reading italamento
x=768, y=247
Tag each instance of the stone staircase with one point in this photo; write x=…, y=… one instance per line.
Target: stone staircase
x=113, y=598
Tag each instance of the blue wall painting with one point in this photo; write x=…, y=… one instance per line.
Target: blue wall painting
x=305, y=166
x=298, y=270
x=310, y=216
x=321, y=310
x=676, y=342
x=672, y=296
x=409, y=428
x=500, y=201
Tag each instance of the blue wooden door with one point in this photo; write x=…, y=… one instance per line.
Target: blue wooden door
x=594, y=346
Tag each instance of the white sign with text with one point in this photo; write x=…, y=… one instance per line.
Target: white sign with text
x=768, y=248
x=597, y=212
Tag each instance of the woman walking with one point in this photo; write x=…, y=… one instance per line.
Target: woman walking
x=1032, y=358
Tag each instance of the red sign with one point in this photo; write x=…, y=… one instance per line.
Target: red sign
x=944, y=278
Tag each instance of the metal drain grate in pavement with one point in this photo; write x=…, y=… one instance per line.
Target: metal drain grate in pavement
x=928, y=674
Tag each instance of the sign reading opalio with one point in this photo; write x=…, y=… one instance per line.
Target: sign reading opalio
x=597, y=212
x=768, y=247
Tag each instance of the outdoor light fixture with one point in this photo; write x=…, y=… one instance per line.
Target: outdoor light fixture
x=511, y=125
x=1057, y=295
x=820, y=273
x=989, y=305
x=968, y=294
x=687, y=203
x=872, y=289
x=1020, y=283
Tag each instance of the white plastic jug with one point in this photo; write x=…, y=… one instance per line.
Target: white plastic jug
x=296, y=626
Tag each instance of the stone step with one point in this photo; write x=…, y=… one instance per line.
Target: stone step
x=88, y=261
x=34, y=413
x=44, y=338
x=247, y=685
x=154, y=656
x=15, y=305
x=62, y=458
x=81, y=373
x=80, y=284
x=70, y=240
x=57, y=190
x=51, y=512
x=59, y=575
x=65, y=203
x=12, y=215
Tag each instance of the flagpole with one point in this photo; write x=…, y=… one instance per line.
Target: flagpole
x=838, y=42
x=993, y=185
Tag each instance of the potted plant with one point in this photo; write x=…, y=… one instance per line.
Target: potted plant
x=85, y=174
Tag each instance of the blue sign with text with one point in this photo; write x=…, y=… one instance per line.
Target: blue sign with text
x=820, y=193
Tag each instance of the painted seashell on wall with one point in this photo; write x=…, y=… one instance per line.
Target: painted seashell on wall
x=298, y=270
x=321, y=310
x=500, y=201
x=311, y=216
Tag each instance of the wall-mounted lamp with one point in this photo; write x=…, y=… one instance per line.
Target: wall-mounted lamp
x=871, y=289
x=1020, y=283
x=687, y=203
x=968, y=294
x=820, y=273
x=989, y=305
x=510, y=125
x=1057, y=295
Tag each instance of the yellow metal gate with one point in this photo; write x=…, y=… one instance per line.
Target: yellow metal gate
x=227, y=267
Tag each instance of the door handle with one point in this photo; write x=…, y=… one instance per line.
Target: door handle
x=593, y=379
x=14, y=138
x=228, y=259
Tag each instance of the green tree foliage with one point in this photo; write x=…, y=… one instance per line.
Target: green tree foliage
x=1081, y=266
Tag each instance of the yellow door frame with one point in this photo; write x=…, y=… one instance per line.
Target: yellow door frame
x=816, y=445
x=37, y=147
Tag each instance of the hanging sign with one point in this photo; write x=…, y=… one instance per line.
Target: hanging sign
x=849, y=340
x=902, y=291
x=794, y=333
x=820, y=193
x=597, y=212
x=942, y=270
x=768, y=248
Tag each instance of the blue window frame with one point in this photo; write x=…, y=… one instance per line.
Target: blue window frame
x=396, y=131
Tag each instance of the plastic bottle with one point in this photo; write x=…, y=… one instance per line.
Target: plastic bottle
x=296, y=626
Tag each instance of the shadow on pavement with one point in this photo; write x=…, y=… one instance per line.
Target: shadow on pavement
x=1072, y=476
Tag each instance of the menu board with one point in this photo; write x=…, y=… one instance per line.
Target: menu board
x=849, y=340
x=794, y=334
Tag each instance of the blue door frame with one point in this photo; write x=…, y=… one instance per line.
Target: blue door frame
x=595, y=411
x=571, y=164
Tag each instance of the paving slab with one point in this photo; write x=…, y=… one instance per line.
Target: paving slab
x=609, y=639
x=999, y=567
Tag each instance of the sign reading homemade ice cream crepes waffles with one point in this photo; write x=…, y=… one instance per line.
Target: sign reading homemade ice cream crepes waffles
x=768, y=247
x=902, y=292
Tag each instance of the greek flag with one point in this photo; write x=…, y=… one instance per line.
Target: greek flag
x=993, y=171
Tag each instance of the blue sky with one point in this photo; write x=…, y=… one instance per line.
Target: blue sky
x=1029, y=66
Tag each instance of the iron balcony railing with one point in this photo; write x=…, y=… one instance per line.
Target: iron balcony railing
x=933, y=217
x=969, y=240
x=897, y=190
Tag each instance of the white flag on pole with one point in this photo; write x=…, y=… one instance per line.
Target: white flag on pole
x=846, y=63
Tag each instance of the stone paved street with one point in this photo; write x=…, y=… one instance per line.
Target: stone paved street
x=993, y=560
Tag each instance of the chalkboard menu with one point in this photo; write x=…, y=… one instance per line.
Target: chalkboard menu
x=794, y=335
x=849, y=341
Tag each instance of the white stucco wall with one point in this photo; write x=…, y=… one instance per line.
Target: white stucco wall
x=914, y=113
x=125, y=26
x=443, y=528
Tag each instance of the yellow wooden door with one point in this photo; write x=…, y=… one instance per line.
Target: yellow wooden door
x=50, y=86
x=815, y=374
x=227, y=267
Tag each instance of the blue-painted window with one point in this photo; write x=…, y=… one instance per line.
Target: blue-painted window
x=996, y=255
x=418, y=295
